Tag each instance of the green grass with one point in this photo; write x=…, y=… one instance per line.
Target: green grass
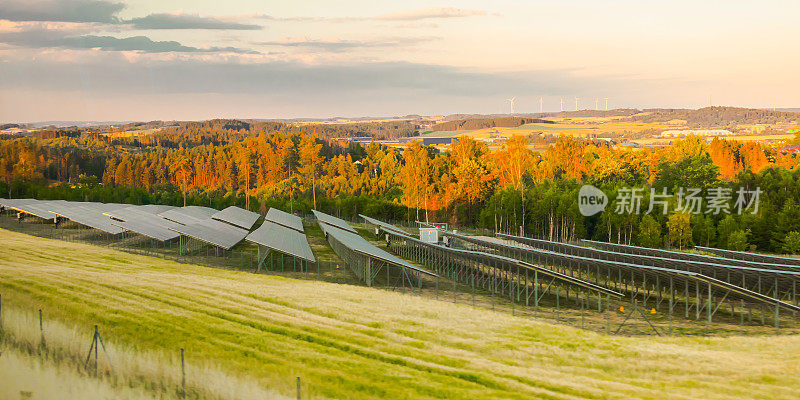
x=356, y=343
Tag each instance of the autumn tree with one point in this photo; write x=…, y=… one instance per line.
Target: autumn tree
x=181, y=167
x=512, y=161
x=680, y=230
x=309, y=162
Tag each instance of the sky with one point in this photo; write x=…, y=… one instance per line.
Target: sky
x=117, y=60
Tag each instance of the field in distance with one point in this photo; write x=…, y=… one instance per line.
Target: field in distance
x=357, y=343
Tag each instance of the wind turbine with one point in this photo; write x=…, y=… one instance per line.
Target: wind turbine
x=541, y=103
x=596, y=104
x=576, y=103
x=512, y=100
x=606, y=99
x=562, y=104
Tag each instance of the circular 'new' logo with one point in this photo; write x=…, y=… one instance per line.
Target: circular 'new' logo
x=591, y=200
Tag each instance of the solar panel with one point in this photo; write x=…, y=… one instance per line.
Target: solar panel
x=333, y=221
x=691, y=257
x=668, y=272
x=237, y=216
x=189, y=214
x=148, y=228
x=383, y=225
x=750, y=256
x=34, y=207
x=142, y=220
x=213, y=232
x=88, y=216
x=282, y=239
x=358, y=244
x=283, y=218
x=155, y=208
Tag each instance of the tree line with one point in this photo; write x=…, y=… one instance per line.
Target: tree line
x=509, y=189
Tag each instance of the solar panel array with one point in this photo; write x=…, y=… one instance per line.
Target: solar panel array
x=500, y=260
x=91, y=216
x=38, y=208
x=189, y=214
x=333, y=221
x=748, y=256
x=572, y=255
x=355, y=242
x=213, y=232
x=678, y=255
x=282, y=239
x=237, y=216
x=384, y=225
x=158, y=222
x=283, y=218
x=145, y=221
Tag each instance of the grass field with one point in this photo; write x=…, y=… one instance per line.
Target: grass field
x=354, y=342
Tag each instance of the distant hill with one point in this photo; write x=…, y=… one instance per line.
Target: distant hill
x=720, y=116
x=482, y=123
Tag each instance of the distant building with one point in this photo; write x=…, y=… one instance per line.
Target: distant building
x=696, y=132
x=429, y=141
x=358, y=139
x=791, y=148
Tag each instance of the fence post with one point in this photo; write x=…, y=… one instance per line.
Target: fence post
x=557, y=301
x=582, y=319
x=670, y=314
x=741, y=316
x=454, y=290
x=96, y=345
x=41, y=328
x=473, y=290
x=298, y=388
x=183, y=376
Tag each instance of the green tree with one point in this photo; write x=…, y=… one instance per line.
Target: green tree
x=649, y=232
x=725, y=228
x=703, y=231
x=680, y=230
x=791, y=244
x=738, y=240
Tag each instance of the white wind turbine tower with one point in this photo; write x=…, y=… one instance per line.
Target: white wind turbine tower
x=576, y=103
x=541, y=104
x=511, y=101
x=606, y=99
x=562, y=104
x=596, y=104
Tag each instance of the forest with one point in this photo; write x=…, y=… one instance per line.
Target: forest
x=482, y=123
x=224, y=162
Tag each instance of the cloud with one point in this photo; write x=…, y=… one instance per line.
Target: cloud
x=430, y=13
x=280, y=77
x=338, y=45
x=52, y=38
x=186, y=21
x=400, y=16
x=61, y=10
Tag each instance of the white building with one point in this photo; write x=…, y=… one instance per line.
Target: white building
x=696, y=132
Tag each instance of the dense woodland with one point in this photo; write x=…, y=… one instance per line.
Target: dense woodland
x=482, y=123
x=222, y=162
x=720, y=116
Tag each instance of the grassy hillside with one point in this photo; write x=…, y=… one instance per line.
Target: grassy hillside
x=357, y=343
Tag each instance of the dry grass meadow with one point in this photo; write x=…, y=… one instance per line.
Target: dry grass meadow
x=249, y=336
